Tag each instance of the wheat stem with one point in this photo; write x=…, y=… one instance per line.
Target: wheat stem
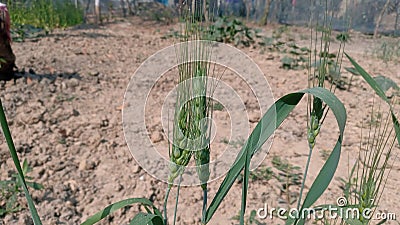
x=165, y=205
x=203, y=218
x=177, y=197
x=304, y=176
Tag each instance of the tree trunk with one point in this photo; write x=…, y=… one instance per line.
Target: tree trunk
x=97, y=11
x=131, y=7
x=264, y=19
x=122, y=2
x=248, y=4
x=378, y=22
x=212, y=9
x=85, y=19
x=397, y=19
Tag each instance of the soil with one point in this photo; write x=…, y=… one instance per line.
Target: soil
x=65, y=115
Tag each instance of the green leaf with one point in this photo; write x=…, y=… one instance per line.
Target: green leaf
x=146, y=219
x=352, y=70
x=118, y=205
x=249, y=146
x=369, y=79
x=305, y=49
x=385, y=83
x=323, y=179
x=328, y=170
x=252, y=217
x=343, y=37
x=14, y=156
x=377, y=88
x=288, y=62
x=35, y=185
x=271, y=120
x=25, y=167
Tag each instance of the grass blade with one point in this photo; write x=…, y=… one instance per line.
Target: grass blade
x=14, y=156
x=323, y=179
x=371, y=81
x=271, y=120
x=247, y=174
x=378, y=90
x=146, y=219
x=118, y=205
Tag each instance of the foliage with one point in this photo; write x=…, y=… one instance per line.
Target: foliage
x=44, y=14
x=284, y=172
x=287, y=176
x=261, y=173
x=329, y=66
x=156, y=11
x=373, y=164
x=153, y=215
x=237, y=144
x=343, y=37
x=385, y=83
x=296, y=58
x=280, y=31
x=11, y=189
x=227, y=30
x=264, y=129
x=20, y=32
x=232, y=31
x=251, y=220
x=372, y=168
x=324, y=154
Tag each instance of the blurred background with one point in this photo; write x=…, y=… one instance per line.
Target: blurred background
x=366, y=16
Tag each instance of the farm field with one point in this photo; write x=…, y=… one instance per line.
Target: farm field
x=65, y=115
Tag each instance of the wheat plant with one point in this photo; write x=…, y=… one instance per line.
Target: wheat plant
x=191, y=127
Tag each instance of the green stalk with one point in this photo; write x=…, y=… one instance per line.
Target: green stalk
x=177, y=198
x=304, y=177
x=316, y=110
x=203, y=217
x=14, y=156
x=190, y=130
x=165, y=205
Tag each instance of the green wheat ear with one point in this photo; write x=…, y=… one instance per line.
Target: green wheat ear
x=180, y=154
x=191, y=125
x=200, y=127
x=373, y=167
x=190, y=128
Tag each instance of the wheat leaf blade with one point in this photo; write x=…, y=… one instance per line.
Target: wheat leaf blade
x=371, y=81
x=118, y=205
x=378, y=90
x=14, y=156
x=271, y=120
x=146, y=219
